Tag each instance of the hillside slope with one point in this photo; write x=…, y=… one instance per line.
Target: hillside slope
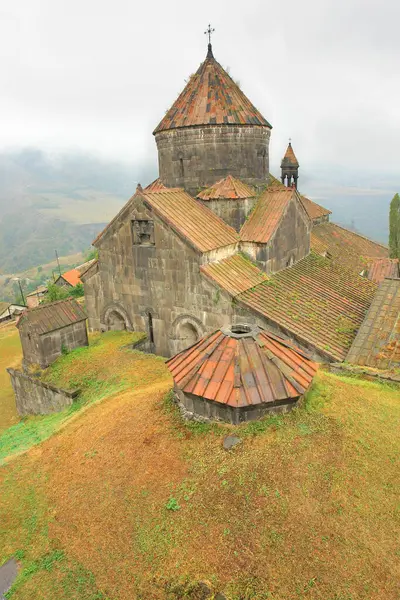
x=127, y=502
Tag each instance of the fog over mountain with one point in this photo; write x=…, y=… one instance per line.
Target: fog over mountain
x=85, y=83
x=61, y=201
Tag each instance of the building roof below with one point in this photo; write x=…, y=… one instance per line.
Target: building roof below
x=227, y=188
x=248, y=368
x=346, y=247
x=265, y=218
x=377, y=343
x=380, y=268
x=73, y=277
x=155, y=186
x=235, y=274
x=321, y=303
x=202, y=228
x=314, y=210
x=51, y=316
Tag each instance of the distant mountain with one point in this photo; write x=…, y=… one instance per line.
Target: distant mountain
x=60, y=202
x=57, y=202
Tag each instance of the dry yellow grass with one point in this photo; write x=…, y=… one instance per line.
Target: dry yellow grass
x=10, y=355
x=306, y=508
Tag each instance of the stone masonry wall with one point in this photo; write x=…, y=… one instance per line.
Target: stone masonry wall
x=196, y=157
x=34, y=397
x=159, y=286
x=232, y=211
x=289, y=244
x=70, y=337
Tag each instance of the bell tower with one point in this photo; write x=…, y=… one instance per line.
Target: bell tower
x=290, y=168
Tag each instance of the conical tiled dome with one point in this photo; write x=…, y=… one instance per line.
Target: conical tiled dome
x=211, y=97
x=290, y=158
x=243, y=366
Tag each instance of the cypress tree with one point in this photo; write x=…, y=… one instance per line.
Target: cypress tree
x=394, y=227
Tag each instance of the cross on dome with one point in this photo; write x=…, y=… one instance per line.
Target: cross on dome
x=208, y=32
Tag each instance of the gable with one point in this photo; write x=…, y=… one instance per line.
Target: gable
x=270, y=209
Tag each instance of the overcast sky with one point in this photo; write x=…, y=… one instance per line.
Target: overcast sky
x=98, y=75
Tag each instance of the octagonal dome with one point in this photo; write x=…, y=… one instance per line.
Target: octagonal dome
x=240, y=373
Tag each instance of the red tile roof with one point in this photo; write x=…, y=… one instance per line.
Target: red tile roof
x=211, y=97
x=51, y=316
x=314, y=210
x=347, y=247
x=377, y=343
x=235, y=274
x=268, y=212
x=290, y=157
x=196, y=223
x=73, y=277
x=245, y=371
x=155, y=186
x=229, y=187
x=380, y=268
x=319, y=302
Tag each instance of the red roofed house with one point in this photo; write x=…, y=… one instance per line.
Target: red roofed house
x=69, y=279
x=216, y=239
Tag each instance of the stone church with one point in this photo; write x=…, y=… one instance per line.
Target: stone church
x=217, y=239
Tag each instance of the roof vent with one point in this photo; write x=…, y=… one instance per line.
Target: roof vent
x=241, y=330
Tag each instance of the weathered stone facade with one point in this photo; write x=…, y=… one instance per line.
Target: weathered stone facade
x=47, y=330
x=158, y=289
x=233, y=211
x=199, y=409
x=196, y=157
x=34, y=397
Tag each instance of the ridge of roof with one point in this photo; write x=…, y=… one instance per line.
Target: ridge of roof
x=199, y=225
x=227, y=188
x=211, y=97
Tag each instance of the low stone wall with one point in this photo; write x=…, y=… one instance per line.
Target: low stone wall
x=194, y=408
x=34, y=397
x=363, y=372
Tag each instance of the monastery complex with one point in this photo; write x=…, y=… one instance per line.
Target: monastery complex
x=217, y=239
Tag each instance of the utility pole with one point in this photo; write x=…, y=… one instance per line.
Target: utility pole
x=20, y=289
x=58, y=262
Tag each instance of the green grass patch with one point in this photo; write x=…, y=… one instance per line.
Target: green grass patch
x=103, y=368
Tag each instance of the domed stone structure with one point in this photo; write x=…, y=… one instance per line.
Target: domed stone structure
x=240, y=374
x=211, y=131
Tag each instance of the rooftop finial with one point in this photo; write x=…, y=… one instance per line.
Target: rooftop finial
x=208, y=32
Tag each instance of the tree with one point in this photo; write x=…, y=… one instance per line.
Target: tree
x=55, y=292
x=77, y=291
x=394, y=227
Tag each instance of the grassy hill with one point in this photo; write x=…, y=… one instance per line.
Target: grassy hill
x=128, y=502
